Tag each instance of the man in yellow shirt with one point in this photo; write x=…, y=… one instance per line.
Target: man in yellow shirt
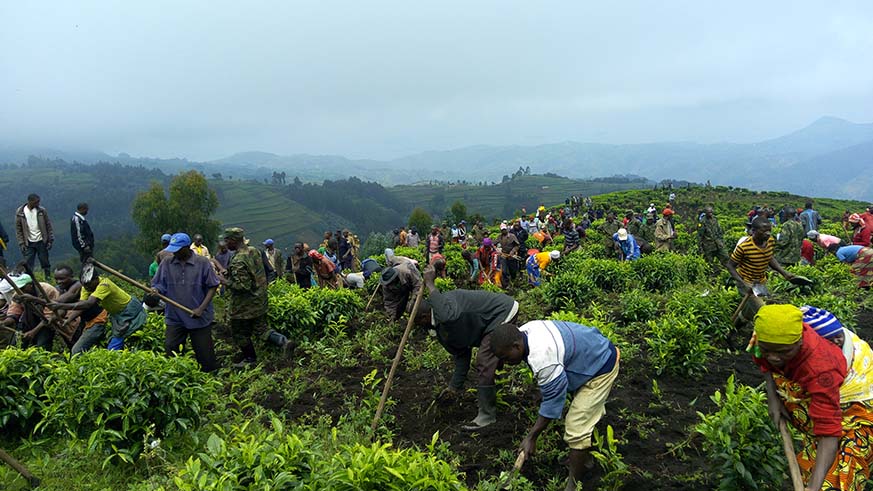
x=125, y=312
x=199, y=248
x=537, y=262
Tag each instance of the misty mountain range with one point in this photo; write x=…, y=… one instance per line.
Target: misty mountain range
x=830, y=157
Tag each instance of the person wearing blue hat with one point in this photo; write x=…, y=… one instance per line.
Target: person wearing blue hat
x=162, y=252
x=274, y=257
x=190, y=280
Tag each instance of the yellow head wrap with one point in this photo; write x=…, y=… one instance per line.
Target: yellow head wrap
x=779, y=324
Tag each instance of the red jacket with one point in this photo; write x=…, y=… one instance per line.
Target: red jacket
x=819, y=368
x=862, y=236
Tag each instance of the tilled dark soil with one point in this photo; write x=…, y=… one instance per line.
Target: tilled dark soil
x=649, y=426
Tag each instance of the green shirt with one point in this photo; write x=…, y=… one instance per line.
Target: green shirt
x=709, y=234
x=247, y=283
x=112, y=298
x=788, y=242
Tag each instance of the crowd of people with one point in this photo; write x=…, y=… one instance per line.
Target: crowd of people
x=818, y=371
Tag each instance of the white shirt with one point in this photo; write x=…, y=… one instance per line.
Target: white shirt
x=33, y=232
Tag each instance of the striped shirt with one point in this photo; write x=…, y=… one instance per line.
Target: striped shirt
x=752, y=260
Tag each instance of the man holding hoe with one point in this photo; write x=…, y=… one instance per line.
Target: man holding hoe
x=462, y=320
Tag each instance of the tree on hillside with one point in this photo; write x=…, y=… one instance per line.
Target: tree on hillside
x=459, y=211
x=188, y=208
x=421, y=220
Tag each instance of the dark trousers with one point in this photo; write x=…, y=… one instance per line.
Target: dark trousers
x=304, y=280
x=38, y=249
x=201, y=343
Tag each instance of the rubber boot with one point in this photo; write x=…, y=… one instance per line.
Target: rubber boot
x=487, y=408
x=115, y=344
x=282, y=341
x=248, y=355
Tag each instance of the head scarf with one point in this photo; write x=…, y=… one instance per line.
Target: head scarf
x=779, y=324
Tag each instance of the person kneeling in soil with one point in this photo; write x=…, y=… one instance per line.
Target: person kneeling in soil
x=125, y=312
x=462, y=320
x=565, y=358
x=808, y=385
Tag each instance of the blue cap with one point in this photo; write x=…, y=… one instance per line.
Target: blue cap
x=268, y=242
x=178, y=241
x=166, y=238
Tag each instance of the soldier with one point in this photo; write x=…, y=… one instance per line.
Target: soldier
x=247, y=282
x=789, y=240
x=710, y=238
x=608, y=229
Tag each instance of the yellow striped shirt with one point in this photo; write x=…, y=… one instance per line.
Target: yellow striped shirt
x=753, y=261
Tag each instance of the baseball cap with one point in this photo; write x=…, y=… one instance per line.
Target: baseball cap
x=667, y=212
x=178, y=241
x=622, y=234
x=166, y=237
x=268, y=242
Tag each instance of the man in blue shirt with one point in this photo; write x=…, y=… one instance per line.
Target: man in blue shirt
x=190, y=280
x=565, y=358
x=630, y=250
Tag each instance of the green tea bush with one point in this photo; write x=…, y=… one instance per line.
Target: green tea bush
x=378, y=466
x=444, y=284
x=663, y=272
x=744, y=448
x=712, y=307
x=414, y=253
x=291, y=308
x=150, y=337
x=637, y=306
x=678, y=345
x=607, y=274
x=250, y=457
x=114, y=398
x=22, y=376
x=845, y=309
x=570, y=290
x=330, y=305
x=456, y=267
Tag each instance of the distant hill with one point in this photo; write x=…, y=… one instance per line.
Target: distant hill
x=802, y=160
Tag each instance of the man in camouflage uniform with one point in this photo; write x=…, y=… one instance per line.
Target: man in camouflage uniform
x=607, y=229
x=246, y=281
x=710, y=238
x=789, y=240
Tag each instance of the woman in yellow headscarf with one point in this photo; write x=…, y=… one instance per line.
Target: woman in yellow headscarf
x=808, y=373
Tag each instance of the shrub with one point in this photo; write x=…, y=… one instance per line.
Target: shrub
x=150, y=337
x=22, y=376
x=250, y=458
x=615, y=471
x=744, y=448
x=607, y=274
x=291, y=308
x=666, y=271
x=637, y=306
x=444, y=284
x=331, y=305
x=114, y=398
x=378, y=466
x=677, y=345
x=414, y=253
x=712, y=307
x=570, y=290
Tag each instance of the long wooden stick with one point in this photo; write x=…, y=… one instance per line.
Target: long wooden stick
x=378, y=287
x=788, y=447
x=397, y=358
x=32, y=480
x=54, y=322
x=142, y=287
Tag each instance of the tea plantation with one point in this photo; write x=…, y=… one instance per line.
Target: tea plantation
x=687, y=411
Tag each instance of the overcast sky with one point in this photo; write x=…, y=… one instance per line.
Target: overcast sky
x=205, y=79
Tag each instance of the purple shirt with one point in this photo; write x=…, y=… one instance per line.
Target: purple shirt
x=186, y=282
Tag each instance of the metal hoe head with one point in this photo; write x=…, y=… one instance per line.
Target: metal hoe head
x=87, y=272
